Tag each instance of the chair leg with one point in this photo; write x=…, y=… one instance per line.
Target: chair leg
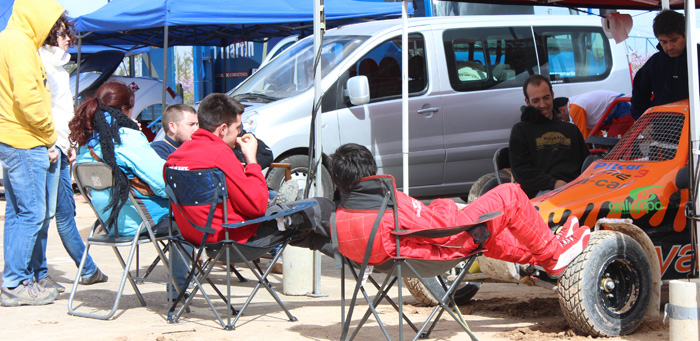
x=125, y=276
x=399, y=276
x=262, y=281
x=371, y=304
x=382, y=293
x=71, y=309
x=195, y=272
x=155, y=262
x=442, y=305
x=342, y=295
x=238, y=274
x=394, y=305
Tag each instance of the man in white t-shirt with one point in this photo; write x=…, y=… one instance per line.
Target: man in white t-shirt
x=585, y=110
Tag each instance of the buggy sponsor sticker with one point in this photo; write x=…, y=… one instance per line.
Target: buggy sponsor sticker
x=603, y=183
x=616, y=166
x=643, y=200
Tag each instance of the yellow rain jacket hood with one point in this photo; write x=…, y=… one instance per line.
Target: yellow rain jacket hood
x=25, y=102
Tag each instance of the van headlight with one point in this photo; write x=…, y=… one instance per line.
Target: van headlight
x=249, y=120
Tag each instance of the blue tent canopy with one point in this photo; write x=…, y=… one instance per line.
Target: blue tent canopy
x=216, y=23
x=5, y=12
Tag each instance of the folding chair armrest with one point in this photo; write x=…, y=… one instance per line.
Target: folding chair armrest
x=436, y=232
x=287, y=169
x=298, y=207
x=450, y=230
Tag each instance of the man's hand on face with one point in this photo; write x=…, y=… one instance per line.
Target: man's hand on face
x=249, y=147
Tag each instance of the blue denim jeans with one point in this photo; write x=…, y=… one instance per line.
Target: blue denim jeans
x=61, y=204
x=24, y=174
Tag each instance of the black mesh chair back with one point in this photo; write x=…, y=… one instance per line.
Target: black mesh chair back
x=207, y=187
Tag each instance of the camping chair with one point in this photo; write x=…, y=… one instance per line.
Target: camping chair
x=207, y=187
x=98, y=176
x=501, y=166
x=378, y=194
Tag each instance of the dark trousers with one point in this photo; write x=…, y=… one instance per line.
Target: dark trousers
x=309, y=228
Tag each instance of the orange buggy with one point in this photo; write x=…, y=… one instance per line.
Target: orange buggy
x=634, y=198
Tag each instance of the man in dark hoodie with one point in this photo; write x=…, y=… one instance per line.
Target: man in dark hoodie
x=665, y=74
x=545, y=152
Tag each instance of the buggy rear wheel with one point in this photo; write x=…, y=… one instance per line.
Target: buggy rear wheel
x=488, y=182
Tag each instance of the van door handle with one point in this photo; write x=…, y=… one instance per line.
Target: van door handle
x=427, y=111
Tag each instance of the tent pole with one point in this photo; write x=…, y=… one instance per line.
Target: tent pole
x=404, y=93
x=319, y=29
x=305, y=279
x=77, y=72
x=225, y=52
x=693, y=105
x=165, y=65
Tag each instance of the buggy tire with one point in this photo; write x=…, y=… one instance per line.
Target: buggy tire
x=300, y=169
x=606, y=290
x=463, y=294
x=488, y=182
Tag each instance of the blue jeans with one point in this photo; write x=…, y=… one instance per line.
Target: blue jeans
x=24, y=173
x=61, y=204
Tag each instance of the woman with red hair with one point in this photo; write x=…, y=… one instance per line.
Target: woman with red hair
x=104, y=131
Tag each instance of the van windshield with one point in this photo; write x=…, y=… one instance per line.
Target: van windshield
x=291, y=72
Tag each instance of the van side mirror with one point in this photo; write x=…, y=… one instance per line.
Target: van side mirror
x=683, y=178
x=357, y=90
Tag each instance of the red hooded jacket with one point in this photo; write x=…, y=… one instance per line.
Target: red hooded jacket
x=246, y=186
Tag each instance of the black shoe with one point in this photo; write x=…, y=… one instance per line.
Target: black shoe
x=97, y=277
x=48, y=283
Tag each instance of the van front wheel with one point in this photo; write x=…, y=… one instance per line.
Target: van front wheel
x=300, y=170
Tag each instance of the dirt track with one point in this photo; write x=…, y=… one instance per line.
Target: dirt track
x=499, y=311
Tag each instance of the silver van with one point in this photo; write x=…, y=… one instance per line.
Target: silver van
x=465, y=80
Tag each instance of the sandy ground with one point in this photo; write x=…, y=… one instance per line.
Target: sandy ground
x=500, y=311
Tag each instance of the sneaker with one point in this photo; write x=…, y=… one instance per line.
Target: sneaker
x=27, y=294
x=97, y=277
x=571, y=244
x=289, y=191
x=568, y=228
x=48, y=282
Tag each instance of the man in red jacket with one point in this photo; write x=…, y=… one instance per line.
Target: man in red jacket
x=518, y=235
x=211, y=146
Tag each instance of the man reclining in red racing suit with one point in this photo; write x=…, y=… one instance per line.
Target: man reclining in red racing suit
x=518, y=235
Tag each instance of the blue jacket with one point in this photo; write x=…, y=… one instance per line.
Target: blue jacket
x=135, y=157
x=165, y=147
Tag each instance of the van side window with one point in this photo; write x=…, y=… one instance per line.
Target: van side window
x=382, y=66
x=485, y=58
x=570, y=55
